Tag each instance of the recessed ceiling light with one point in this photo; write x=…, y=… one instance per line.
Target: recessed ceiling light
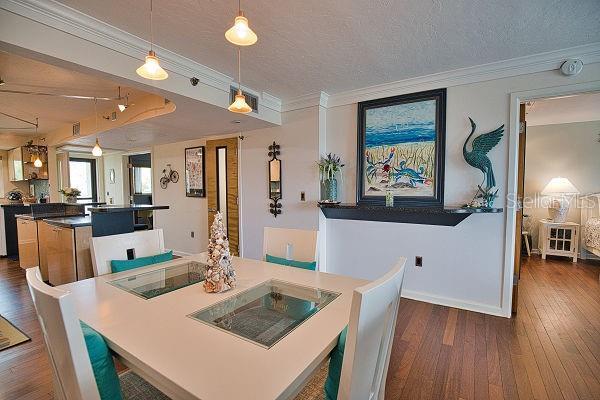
x=236, y=121
x=2, y=82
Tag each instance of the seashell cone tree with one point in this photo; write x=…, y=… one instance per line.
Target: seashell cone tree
x=220, y=275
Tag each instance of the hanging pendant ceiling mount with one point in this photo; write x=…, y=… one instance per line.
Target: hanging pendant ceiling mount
x=151, y=69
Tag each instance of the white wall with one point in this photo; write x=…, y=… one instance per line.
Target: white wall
x=186, y=214
x=115, y=193
x=462, y=265
x=298, y=137
x=568, y=150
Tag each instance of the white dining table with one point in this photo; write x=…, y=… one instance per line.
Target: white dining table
x=188, y=359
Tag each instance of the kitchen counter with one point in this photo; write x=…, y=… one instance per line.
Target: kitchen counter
x=70, y=222
x=38, y=217
x=126, y=207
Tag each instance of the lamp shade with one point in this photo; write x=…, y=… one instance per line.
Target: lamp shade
x=239, y=105
x=240, y=33
x=151, y=69
x=559, y=186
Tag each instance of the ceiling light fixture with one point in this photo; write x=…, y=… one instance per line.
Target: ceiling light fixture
x=239, y=105
x=151, y=68
x=38, y=162
x=97, y=150
x=240, y=33
x=2, y=82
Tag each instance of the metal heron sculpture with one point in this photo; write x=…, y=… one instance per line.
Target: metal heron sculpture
x=477, y=157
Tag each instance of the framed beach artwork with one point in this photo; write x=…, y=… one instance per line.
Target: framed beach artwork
x=401, y=145
x=194, y=172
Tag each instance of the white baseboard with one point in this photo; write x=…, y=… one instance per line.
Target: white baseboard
x=181, y=253
x=455, y=303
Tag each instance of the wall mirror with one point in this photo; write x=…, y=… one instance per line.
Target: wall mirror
x=275, y=193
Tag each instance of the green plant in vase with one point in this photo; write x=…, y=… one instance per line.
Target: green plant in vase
x=329, y=166
x=70, y=194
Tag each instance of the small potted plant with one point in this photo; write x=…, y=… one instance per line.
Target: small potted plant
x=329, y=166
x=70, y=194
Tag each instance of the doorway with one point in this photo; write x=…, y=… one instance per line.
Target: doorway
x=222, y=186
x=557, y=201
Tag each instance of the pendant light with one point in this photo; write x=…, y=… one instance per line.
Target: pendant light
x=151, y=68
x=38, y=162
x=240, y=33
x=97, y=150
x=239, y=105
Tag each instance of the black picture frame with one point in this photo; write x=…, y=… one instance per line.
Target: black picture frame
x=189, y=164
x=437, y=200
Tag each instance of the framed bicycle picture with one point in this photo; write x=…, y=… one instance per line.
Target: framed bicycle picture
x=194, y=172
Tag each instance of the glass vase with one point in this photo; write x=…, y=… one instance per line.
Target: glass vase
x=331, y=190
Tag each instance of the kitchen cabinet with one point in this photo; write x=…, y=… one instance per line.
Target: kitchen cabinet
x=20, y=165
x=27, y=239
x=66, y=252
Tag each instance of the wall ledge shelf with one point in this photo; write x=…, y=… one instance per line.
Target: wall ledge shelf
x=446, y=216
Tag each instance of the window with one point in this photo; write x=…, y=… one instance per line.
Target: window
x=82, y=174
x=142, y=179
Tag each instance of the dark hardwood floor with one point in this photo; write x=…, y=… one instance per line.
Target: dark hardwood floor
x=550, y=350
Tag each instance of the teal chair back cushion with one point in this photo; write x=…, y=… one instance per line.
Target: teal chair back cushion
x=332, y=383
x=105, y=374
x=311, y=265
x=126, y=265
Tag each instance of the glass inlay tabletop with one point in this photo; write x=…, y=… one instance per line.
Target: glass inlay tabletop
x=266, y=313
x=155, y=283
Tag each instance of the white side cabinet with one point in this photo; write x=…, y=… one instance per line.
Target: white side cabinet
x=559, y=239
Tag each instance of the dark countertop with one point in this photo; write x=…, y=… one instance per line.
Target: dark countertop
x=70, y=222
x=13, y=205
x=45, y=216
x=126, y=207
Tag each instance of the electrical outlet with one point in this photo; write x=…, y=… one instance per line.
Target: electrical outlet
x=302, y=196
x=418, y=261
x=192, y=234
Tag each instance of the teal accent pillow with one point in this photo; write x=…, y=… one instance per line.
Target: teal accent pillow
x=332, y=383
x=105, y=374
x=126, y=265
x=311, y=265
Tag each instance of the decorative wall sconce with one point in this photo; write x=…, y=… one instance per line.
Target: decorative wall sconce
x=274, y=180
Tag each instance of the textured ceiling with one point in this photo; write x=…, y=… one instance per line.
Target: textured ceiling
x=337, y=45
x=23, y=74
x=563, y=110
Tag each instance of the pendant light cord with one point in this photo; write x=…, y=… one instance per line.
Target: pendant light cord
x=239, y=69
x=151, y=27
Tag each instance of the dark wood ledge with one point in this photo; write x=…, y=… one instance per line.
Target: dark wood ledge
x=446, y=216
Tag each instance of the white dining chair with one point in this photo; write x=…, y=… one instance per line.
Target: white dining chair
x=370, y=336
x=292, y=244
x=71, y=368
x=104, y=249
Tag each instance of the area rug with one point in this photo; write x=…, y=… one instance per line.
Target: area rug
x=133, y=387
x=10, y=335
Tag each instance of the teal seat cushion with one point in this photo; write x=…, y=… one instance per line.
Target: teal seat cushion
x=332, y=383
x=126, y=265
x=102, y=364
x=311, y=265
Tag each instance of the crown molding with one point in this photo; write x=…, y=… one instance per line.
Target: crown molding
x=548, y=61
x=541, y=62
x=309, y=100
x=76, y=23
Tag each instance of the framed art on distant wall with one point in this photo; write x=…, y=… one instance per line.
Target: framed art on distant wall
x=401, y=146
x=194, y=172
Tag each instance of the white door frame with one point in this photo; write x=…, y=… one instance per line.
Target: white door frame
x=516, y=98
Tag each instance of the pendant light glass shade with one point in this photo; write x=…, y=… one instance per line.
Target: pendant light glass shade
x=38, y=162
x=152, y=69
x=239, y=105
x=240, y=33
x=97, y=151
